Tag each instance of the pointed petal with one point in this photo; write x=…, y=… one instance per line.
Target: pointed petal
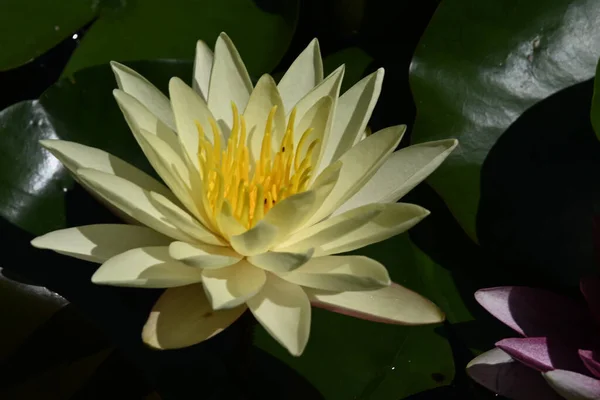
x=202, y=69
x=229, y=81
x=98, y=243
x=256, y=240
x=318, y=118
x=263, y=98
x=590, y=287
x=203, y=256
x=590, y=360
x=302, y=76
x=145, y=92
x=393, y=219
x=542, y=354
x=526, y=310
x=392, y=304
x=231, y=286
x=139, y=117
x=353, y=111
x=280, y=262
x=283, y=309
x=183, y=316
x=130, y=199
x=359, y=164
x=340, y=273
x=149, y=267
x=573, y=386
x=75, y=156
x=400, y=173
x=498, y=372
x=290, y=213
x=330, y=87
x=331, y=229
x=227, y=223
x=184, y=221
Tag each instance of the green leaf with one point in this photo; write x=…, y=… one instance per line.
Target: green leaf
x=479, y=65
x=31, y=27
x=595, y=113
x=152, y=29
x=35, y=190
x=377, y=361
x=356, y=61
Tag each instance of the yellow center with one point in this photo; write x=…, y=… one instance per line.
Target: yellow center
x=251, y=191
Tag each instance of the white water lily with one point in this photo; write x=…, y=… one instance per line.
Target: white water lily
x=257, y=203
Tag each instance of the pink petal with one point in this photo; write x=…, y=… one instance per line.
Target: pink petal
x=590, y=287
x=573, y=386
x=542, y=354
x=498, y=372
x=535, y=312
x=590, y=360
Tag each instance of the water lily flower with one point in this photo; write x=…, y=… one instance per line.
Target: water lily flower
x=263, y=187
x=557, y=355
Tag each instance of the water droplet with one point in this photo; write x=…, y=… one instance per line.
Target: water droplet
x=393, y=368
x=75, y=36
x=65, y=190
x=56, y=27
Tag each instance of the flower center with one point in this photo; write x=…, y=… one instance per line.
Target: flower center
x=251, y=190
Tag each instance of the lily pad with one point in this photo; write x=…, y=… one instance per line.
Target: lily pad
x=378, y=361
x=479, y=65
x=150, y=29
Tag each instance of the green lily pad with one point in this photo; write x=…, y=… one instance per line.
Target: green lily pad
x=479, y=65
x=31, y=27
x=595, y=113
x=378, y=361
x=152, y=29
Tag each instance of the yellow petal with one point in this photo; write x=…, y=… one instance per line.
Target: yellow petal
x=203, y=256
x=394, y=219
x=149, y=267
x=98, y=243
x=283, y=309
x=184, y=221
x=131, y=200
x=202, y=69
x=229, y=81
x=256, y=240
x=340, y=273
x=280, y=262
x=401, y=172
x=183, y=316
x=75, y=156
x=263, y=98
x=392, y=304
x=145, y=92
x=352, y=113
x=358, y=166
x=231, y=286
x=302, y=76
x=330, y=229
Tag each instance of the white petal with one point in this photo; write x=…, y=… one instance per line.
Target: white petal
x=264, y=96
x=184, y=221
x=145, y=92
x=75, y=156
x=359, y=164
x=98, y=243
x=130, y=199
x=401, y=172
x=229, y=81
x=231, y=286
x=183, y=316
x=317, y=118
x=290, y=213
x=228, y=224
x=393, y=219
x=202, y=69
x=256, y=240
x=353, y=111
x=393, y=304
x=330, y=87
x=149, y=267
x=303, y=75
x=139, y=117
x=283, y=309
x=203, y=256
x=330, y=229
x=340, y=273
x=188, y=108
x=572, y=385
x=280, y=262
